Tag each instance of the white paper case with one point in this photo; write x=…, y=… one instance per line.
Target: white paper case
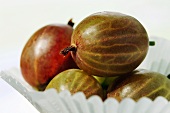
x=158, y=59
x=52, y=102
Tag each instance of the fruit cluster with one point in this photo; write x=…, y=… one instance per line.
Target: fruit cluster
x=98, y=57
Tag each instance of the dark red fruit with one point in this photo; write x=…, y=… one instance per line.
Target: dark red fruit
x=41, y=59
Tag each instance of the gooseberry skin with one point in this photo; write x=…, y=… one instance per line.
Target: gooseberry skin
x=41, y=59
x=140, y=83
x=76, y=80
x=109, y=44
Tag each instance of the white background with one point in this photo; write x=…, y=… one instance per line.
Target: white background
x=19, y=19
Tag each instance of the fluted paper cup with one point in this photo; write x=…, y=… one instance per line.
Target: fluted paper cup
x=158, y=59
x=50, y=101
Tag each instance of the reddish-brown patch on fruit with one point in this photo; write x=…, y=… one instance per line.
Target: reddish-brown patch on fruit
x=41, y=59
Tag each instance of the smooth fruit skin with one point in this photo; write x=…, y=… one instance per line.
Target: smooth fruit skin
x=141, y=83
x=109, y=44
x=76, y=80
x=41, y=59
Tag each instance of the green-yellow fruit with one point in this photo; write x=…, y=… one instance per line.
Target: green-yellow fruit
x=76, y=80
x=141, y=83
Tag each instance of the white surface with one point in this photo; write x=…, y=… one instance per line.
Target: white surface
x=12, y=101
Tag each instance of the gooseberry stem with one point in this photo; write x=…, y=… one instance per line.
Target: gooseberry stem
x=70, y=22
x=68, y=49
x=151, y=43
